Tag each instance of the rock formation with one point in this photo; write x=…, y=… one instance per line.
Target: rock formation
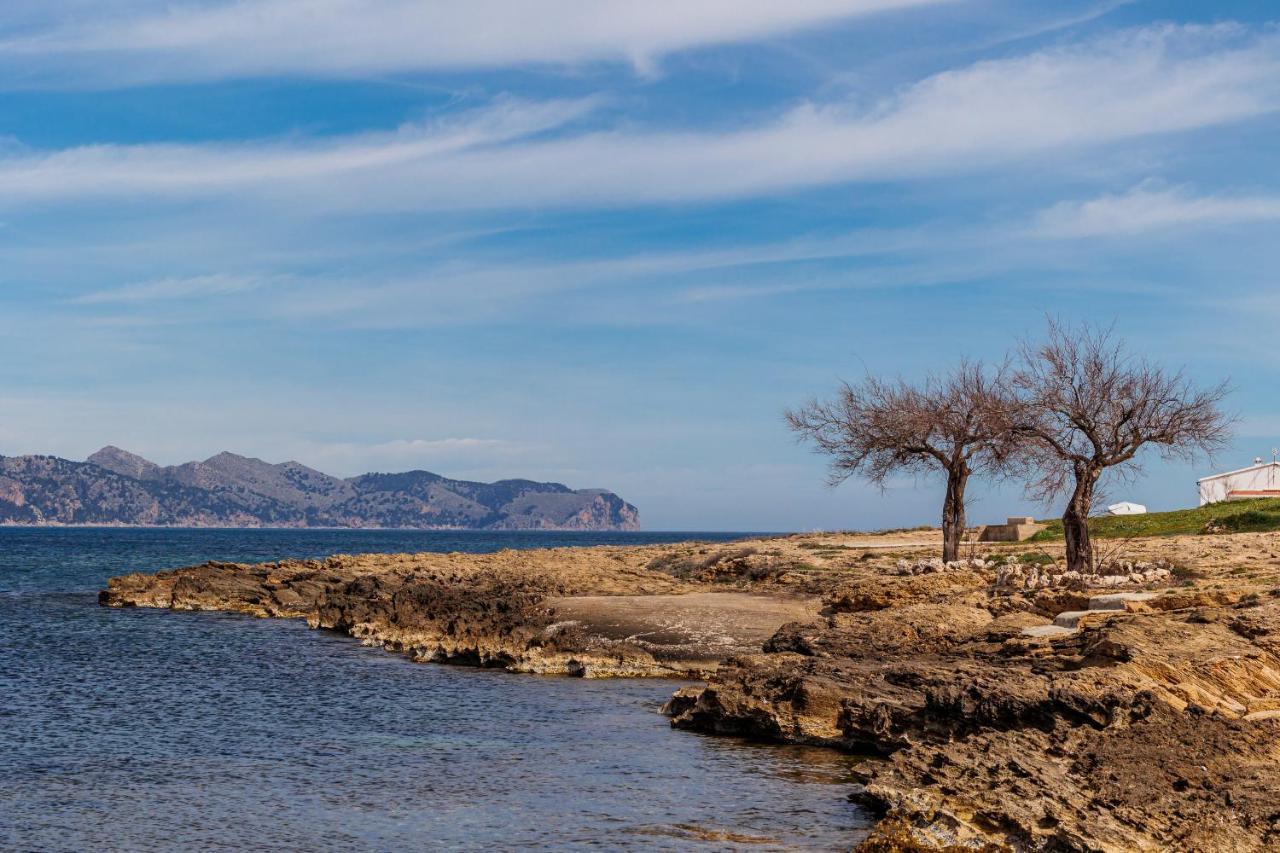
x=1152, y=723
x=577, y=611
x=994, y=716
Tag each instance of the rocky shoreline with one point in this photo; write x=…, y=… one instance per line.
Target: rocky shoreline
x=993, y=715
x=590, y=612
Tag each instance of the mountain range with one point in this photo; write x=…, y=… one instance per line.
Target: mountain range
x=115, y=487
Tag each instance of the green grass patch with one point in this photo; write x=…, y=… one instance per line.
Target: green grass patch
x=1252, y=516
x=888, y=530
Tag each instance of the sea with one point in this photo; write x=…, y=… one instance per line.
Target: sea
x=136, y=729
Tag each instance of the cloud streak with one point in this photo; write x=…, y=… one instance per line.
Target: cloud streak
x=171, y=170
x=1145, y=208
x=222, y=40
x=194, y=287
x=1157, y=80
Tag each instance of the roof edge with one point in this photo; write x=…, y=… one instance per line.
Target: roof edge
x=1239, y=471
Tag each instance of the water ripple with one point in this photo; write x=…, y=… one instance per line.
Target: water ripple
x=146, y=730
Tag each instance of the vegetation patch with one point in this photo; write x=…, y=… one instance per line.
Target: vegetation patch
x=1252, y=516
x=724, y=566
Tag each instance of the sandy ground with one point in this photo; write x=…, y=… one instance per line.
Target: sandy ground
x=694, y=626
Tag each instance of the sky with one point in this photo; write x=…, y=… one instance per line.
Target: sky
x=608, y=243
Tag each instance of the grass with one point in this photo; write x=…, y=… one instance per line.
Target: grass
x=1251, y=516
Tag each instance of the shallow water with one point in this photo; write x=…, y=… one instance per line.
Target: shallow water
x=150, y=730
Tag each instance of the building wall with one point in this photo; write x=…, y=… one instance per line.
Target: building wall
x=1259, y=478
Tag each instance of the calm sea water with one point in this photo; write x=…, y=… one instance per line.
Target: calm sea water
x=150, y=730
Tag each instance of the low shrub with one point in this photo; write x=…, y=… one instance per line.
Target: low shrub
x=1249, y=521
x=727, y=564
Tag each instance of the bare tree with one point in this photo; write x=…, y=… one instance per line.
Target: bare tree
x=1089, y=408
x=957, y=425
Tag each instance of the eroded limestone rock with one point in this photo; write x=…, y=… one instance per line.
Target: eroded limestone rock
x=982, y=739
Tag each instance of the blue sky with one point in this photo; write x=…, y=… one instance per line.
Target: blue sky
x=607, y=242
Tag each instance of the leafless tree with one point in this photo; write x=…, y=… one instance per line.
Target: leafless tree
x=1089, y=407
x=958, y=424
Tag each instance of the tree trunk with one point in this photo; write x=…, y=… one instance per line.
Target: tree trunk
x=953, y=514
x=1075, y=523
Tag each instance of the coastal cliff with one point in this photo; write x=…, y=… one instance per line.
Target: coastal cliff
x=998, y=712
x=115, y=487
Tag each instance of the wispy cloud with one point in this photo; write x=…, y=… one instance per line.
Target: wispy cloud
x=222, y=169
x=195, y=287
x=929, y=266
x=478, y=289
x=1157, y=80
x=223, y=40
x=1148, y=208
x=473, y=287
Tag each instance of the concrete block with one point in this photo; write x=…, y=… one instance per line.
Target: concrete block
x=1010, y=532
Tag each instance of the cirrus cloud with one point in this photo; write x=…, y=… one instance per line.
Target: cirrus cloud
x=1150, y=208
x=1157, y=80
x=221, y=40
x=193, y=287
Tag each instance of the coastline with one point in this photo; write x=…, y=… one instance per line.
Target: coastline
x=1149, y=726
x=593, y=611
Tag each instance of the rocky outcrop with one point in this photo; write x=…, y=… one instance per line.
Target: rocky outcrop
x=1154, y=726
x=992, y=716
x=117, y=487
x=586, y=612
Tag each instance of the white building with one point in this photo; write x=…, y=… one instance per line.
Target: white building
x=1259, y=480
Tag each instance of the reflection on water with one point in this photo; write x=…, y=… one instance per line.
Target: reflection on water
x=136, y=729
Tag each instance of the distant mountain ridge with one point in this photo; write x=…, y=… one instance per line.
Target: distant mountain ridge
x=116, y=487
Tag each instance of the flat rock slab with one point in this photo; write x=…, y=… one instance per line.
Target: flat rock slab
x=1118, y=600
x=695, y=626
x=1070, y=619
x=1046, y=631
